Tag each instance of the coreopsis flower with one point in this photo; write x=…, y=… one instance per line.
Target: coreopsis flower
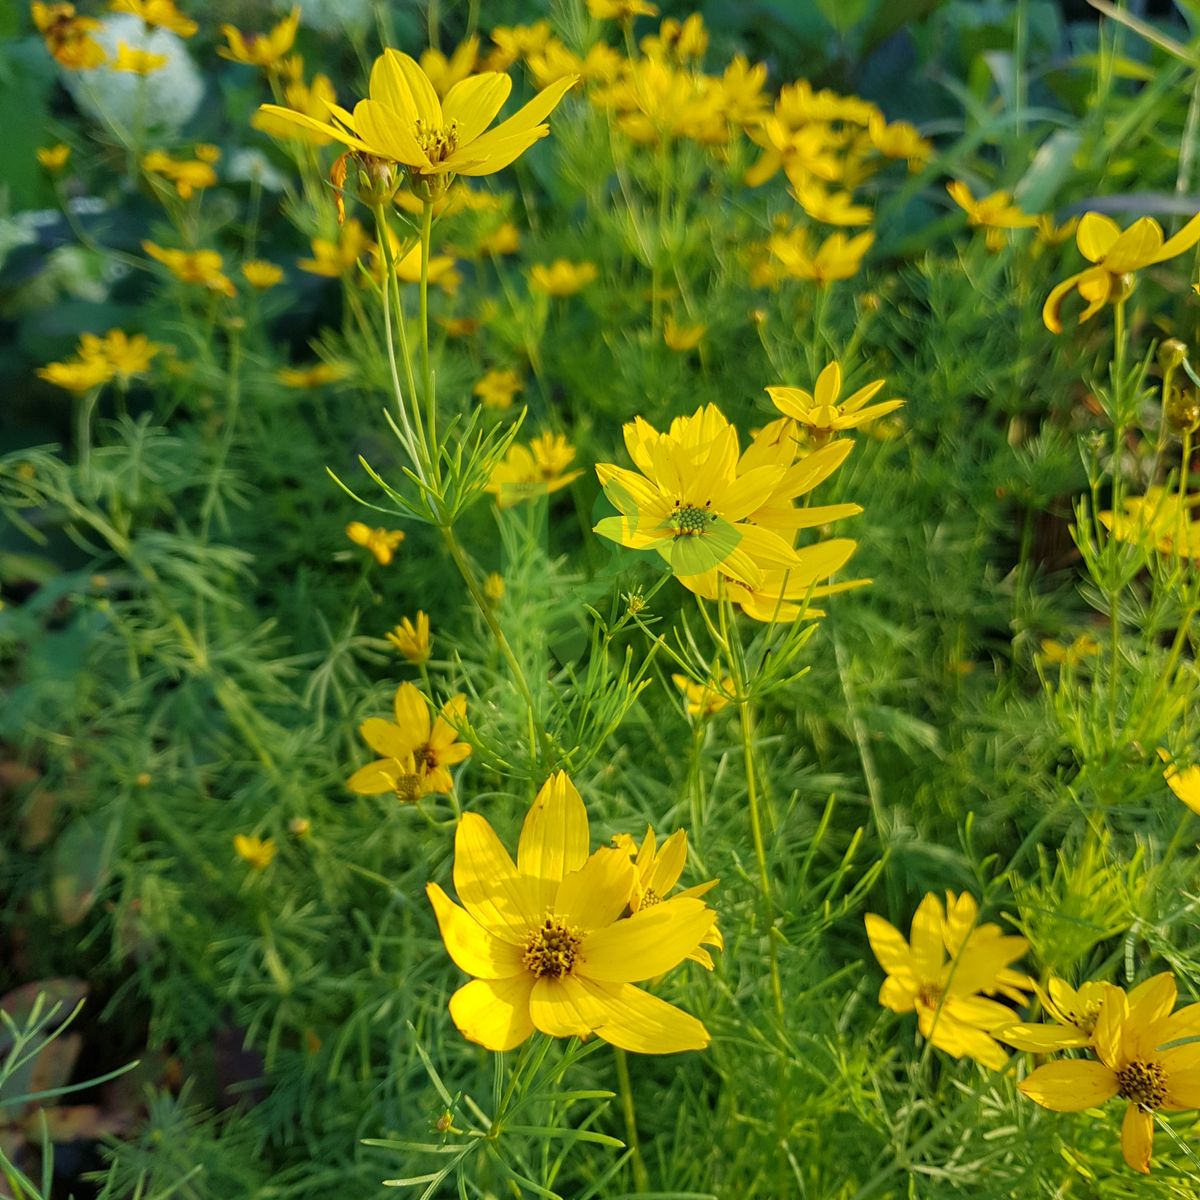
x=258, y=852
x=837, y=257
x=159, y=14
x=548, y=940
x=412, y=641
x=515, y=42
x=317, y=375
x=416, y=754
x=444, y=71
x=1056, y=654
x=682, y=41
x=704, y=699
x=261, y=275
x=188, y=175
x=821, y=414
x=505, y=239
x=900, y=140
x=539, y=469
x=1129, y=1034
x=68, y=36
x=1157, y=521
x=135, y=61
x=335, y=259
x=1073, y=1014
x=493, y=588
x=621, y=10
x=497, y=389
x=313, y=99
x=77, y=375
x=655, y=102
x=561, y=278
x=402, y=121
x=199, y=267
x=682, y=338
x=126, y=356
x=1184, y=783
x=658, y=871
x=382, y=543
x=441, y=269
x=264, y=50
x=943, y=971
x=53, y=158
x=1051, y=234
x=1114, y=253
x=557, y=61
x=830, y=208
x=994, y=213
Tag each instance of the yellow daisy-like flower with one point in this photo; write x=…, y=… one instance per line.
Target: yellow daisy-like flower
x=704, y=699
x=135, y=61
x=53, y=158
x=1157, y=521
x=1082, y=648
x=77, y=375
x=561, y=278
x=199, y=267
x=621, y=10
x=412, y=641
x=493, y=588
x=1184, y=783
x=261, y=275
x=1073, y=1013
x=264, y=50
x=837, y=257
x=126, y=356
x=312, y=99
x=334, y=259
x=1127, y=1039
x=416, y=752
x=821, y=414
x=317, y=375
x=941, y=971
x=506, y=239
x=497, y=389
x=830, y=208
x=994, y=213
x=382, y=543
x=68, y=36
x=404, y=122
x=258, y=852
x=682, y=338
x=160, y=14
x=444, y=71
x=188, y=176
x=1114, y=253
x=548, y=941
x=539, y=469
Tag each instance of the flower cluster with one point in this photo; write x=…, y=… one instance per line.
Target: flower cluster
x=99, y=360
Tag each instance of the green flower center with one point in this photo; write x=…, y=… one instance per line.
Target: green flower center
x=551, y=950
x=689, y=521
x=438, y=144
x=1143, y=1084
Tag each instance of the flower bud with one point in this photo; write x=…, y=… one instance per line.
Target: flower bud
x=1171, y=353
x=1182, y=410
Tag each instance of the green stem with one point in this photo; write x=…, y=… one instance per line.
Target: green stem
x=83, y=430
x=641, y=1178
x=231, y=416
x=430, y=398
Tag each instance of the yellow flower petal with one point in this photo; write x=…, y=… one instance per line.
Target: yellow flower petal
x=595, y=896
x=474, y=102
x=412, y=713
x=554, y=837
x=472, y=947
x=1041, y=1039
x=890, y=948
x=647, y=944
x=1183, y=1086
x=1052, y=309
x=494, y=1012
x=385, y=134
x=1070, y=1085
x=1095, y=235
x=374, y=779
x=386, y=739
x=1185, y=239
x=1137, y=247
x=669, y=862
x=1137, y=1138
x=925, y=936
x=637, y=1021
x=564, y=1008
x=487, y=882
x=404, y=74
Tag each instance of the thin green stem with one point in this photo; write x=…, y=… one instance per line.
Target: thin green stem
x=641, y=1178
x=426, y=368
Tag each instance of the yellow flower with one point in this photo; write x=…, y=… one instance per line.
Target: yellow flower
x=497, y=389
x=1157, y=521
x=189, y=176
x=1129, y=1063
x=561, y=278
x=1074, y=1013
x=537, y=470
x=53, y=158
x=1083, y=647
x=261, y=274
x=682, y=338
x=1114, y=253
x=161, y=14
x=830, y=208
x=317, y=375
x=898, y=139
x=67, y=36
x=994, y=213
x=621, y=10
x=547, y=941
x=515, y=42
x=445, y=72
x=553, y=63
x=1051, y=234
x=313, y=100
x=404, y=122
x=504, y=240
x=821, y=413
x=493, y=588
x=416, y=754
x=658, y=871
x=126, y=356
x=258, y=852
x=135, y=61
x=412, y=641
x=381, y=542
x=265, y=50
x=704, y=699
x=837, y=257
x=942, y=970
x=334, y=259
x=199, y=267
x=1185, y=784
x=77, y=375
x=442, y=271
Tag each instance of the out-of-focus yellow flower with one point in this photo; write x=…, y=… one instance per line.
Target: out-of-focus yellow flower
x=1083, y=647
x=441, y=271
x=459, y=327
x=77, y=375
x=412, y=641
x=1050, y=234
x=837, y=257
x=382, y=543
x=68, y=36
x=504, y=240
x=553, y=63
x=257, y=852
x=994, y=213
x=263, y=50
x=444, y=72
x=135, y=61
x=677, y=41
x=820, y=412
x=126, y=356
x=899, y=139
x=1185, y=784
x=704, y=699
x=404, y=122
x=561, y=278
x=621, y=10
x=199, y=267
x=682, y=338
x=188, y=175
x=317, y=375
x=654, y=102
x=160, y=14
x=312, y=99
x=1157, y=521
x=830, y=208
x=742, y=84
x=516, y=42
x=493, y=588
x=53, y=158
x=334, y=259
x=1114, y=253
x=497, y=389
x=538, y=469
x=261, y=275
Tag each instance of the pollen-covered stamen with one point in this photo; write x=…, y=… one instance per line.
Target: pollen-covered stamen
x=1084, y=1019
x=929, y=995
x=688, y=520
x=649, y=899
x=438, y=143
x=551, y=950
x=408, y=788
x=426, y=756
x=1143, y=1084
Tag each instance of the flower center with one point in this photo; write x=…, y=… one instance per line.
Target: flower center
x=551, y=950
x=929, y=995
x=649, y=899
x=1084, y=1019
x=689, y=521
x=1143, y=1084
x=437, y=143
x=408, y=788
x=426, y=756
